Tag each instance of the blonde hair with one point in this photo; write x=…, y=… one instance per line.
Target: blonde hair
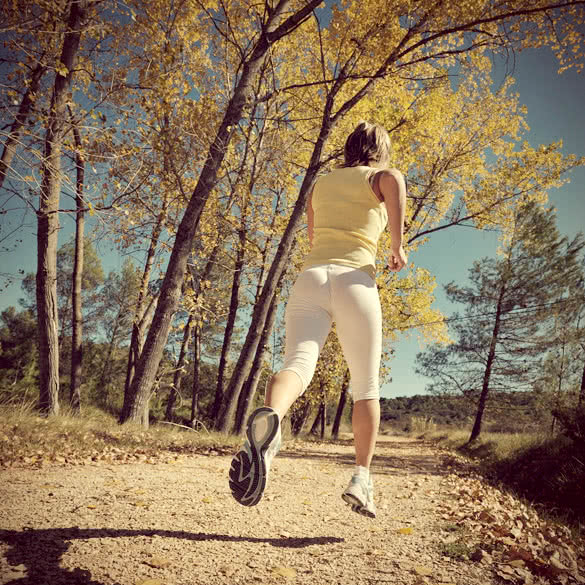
x=367, y=143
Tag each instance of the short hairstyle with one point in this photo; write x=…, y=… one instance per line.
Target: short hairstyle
x=367, y=143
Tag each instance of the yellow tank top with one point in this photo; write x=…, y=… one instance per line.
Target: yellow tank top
x=348, y=220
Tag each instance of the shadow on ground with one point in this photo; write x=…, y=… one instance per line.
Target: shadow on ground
x=40, y=551
x=410, y=461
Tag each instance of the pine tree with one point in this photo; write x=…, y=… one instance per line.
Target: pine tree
x=510, y=305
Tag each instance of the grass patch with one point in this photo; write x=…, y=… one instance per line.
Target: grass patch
x=26, y=438
x=549, y=471
x=456, y=545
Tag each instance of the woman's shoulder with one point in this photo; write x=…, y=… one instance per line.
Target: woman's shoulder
x=390, y=172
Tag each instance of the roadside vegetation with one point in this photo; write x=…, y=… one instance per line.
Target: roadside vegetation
x=29, y=440
x=546, y=469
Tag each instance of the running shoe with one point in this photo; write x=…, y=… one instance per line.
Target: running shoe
x=251, y=464
x=359, y=494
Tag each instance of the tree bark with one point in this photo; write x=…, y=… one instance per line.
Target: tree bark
x=317, y=422
x=196, y=389
x=341, y=405
x=179, y=370
x=24, y=110
x=476, y=430
x=581, y=401
x=298, y=418
x=233, y=311
x=76, y=301
x=246, y=398
x=171, y=288
x=48, y=217
x=139, y=324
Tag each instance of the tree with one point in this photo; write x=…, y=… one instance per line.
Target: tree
x=273, y=28
x=18, y=354
x=119, y=296
x=47, y=214
x=77, y=277
x=501, y=339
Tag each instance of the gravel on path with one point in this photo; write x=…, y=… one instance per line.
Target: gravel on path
x=175, y=522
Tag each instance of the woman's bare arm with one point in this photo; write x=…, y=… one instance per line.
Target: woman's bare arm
x=393, y=189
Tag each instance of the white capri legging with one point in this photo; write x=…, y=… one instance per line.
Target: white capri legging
x=349, y=297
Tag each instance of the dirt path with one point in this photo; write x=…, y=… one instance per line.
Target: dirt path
x=175, y=523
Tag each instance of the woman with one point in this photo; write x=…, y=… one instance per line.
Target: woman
x=347, y=211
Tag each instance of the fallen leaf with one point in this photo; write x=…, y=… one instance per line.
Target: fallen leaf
x=485, y=516
x=422, y=571
x=206, y=500
x=158, y=562
x=92, y=506
x=287, y=572
x=405, y=530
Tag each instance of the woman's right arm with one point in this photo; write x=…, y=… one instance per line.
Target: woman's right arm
x=393, y=189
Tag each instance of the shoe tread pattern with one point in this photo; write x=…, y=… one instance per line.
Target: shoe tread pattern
x=247, y=476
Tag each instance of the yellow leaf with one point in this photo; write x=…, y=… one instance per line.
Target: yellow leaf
x=61, y=68
x=92, y=507
x=158, y=562
x=287, y=572
x=140, y=504
x=406, y=530
x=423, y=571
x=206, y=500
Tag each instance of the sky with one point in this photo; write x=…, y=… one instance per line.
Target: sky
x=555, y=111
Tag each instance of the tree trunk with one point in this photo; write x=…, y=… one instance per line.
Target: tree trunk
x=317, y=422
x=341, y=405
x=179, y=371
x=260, y=312
x=298, y=418
x=26, y=107
x=246, y=398
x=581, y=401
x=231, y=320
x=196, y=366
x=138, y=326
x=475, y=432
x=77, y=317
x=48, y=217
x=171, y=288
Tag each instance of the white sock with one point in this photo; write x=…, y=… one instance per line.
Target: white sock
x=362, y=471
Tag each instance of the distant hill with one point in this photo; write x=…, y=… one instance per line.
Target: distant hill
x=510, y=412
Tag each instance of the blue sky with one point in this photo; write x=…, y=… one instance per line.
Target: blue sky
x=555, y=111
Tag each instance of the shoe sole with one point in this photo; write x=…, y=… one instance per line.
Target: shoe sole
x=357, y=506
x=248, y=470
